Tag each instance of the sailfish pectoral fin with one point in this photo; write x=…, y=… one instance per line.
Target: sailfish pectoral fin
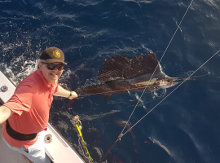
x=107, y=96
x=71, y=102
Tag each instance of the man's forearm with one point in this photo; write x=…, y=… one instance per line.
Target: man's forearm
x=65, y=93
x=5, y=113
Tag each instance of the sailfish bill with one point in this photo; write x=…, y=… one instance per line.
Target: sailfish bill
x=122, y=74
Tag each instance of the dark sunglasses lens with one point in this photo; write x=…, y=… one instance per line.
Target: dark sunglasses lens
x=51, y=66
x=59, y=67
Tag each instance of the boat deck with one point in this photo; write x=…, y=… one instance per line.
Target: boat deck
x=7, y=155
x=58, y=150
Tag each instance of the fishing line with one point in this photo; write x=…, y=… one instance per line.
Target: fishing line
x=173, y=90
x=158, y=64
x=174, y=33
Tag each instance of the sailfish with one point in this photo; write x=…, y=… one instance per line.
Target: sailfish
x=122, y=74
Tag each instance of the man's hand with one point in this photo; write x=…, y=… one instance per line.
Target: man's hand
x=74, y=95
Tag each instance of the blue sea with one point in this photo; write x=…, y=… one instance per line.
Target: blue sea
x=184, y=128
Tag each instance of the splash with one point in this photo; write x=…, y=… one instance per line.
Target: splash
x=18, y=69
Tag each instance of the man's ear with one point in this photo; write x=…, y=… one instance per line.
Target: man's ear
x=39, y=65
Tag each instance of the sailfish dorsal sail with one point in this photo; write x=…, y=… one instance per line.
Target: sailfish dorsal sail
x=124, y=67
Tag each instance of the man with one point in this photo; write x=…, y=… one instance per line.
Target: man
x=26, y=113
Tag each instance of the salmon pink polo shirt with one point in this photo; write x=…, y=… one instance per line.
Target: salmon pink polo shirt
x=31, y=105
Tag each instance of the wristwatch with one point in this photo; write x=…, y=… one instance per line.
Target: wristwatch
x=70, y=94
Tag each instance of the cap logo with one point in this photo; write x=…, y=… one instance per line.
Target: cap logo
x=56, y=54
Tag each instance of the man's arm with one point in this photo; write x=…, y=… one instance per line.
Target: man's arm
x=5, y=113
x=65, y=93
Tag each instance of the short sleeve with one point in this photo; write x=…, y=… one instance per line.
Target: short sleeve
x=21, y=100
x=56, y=84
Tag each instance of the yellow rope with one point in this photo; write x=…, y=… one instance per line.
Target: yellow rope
x=84, y=143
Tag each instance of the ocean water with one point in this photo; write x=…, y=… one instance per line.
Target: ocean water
x=184, y=128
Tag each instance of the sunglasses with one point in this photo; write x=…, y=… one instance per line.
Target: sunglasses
x=51, y=66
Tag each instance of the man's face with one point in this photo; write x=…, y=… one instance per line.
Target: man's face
x=50, y=75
